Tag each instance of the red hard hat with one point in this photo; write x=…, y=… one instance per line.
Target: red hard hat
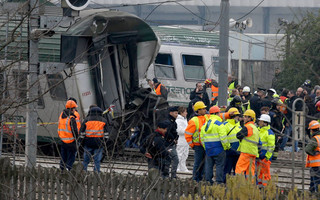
x=207, y=81
x=71, y=104
x=318, y=106
x=214, y=109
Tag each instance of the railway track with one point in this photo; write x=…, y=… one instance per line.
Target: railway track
x=133, y=162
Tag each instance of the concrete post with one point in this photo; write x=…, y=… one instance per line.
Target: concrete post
x=31, y=132
x=223, y=52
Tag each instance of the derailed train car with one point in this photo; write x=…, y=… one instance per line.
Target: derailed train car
x=105, y=53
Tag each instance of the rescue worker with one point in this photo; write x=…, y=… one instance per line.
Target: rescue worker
x=267, y=138
x=213, y=138
x=246, y=98
x=313, y=157
x=155, y=149
x=232, y=83
x=159, y=89
x=68, y=132
x=232, y=127
x=94, y=131
x=249, y=141
x=237, y=103
x=172, y=139
x=192, y=134
x=76, y=113
x=216, y=110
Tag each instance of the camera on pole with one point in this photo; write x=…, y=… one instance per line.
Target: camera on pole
x=71, y=8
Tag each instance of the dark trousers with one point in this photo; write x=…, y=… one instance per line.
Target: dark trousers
x=199, y=161
x=230, y=165
x=218, y=160
x=162, y=164
x=174, y=161
x=314, y=179
x=68, y=155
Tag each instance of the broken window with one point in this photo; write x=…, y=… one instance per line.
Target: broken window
x=56, y=86
x=164, y=67
x=193, y=67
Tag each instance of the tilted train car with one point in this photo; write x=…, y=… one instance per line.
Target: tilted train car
x=98, y=60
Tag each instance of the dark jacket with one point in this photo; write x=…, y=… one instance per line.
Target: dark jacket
x=290, y=105
x=205, y=97
x=312, y=145
x=156, y=145
x=256, y=104
x=190, y=109
x=95, y=114
x=172, y=134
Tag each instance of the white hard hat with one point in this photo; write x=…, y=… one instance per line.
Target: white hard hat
x=265, y=118
x=273, y=90
x=246, y=89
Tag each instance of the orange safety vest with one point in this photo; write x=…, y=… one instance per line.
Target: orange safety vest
x=215, y=91
x=157, y=90
x=314, y=161
x=94, y=129
x=77, y=119
x=64, y=129
x=192, y=132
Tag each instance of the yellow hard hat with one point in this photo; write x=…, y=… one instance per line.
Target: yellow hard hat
x=234, y=110
x=250, y=113
x=199, y=105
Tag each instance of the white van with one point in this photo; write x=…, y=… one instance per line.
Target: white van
x=185, y=58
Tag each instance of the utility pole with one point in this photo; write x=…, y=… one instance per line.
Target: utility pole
x=31, y=132
x=223, y=52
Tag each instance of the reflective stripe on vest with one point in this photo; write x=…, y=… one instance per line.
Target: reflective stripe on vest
x=77, y=119
x=215, y=92
x=64, y=129
x=250, y=144
x=95, y=129
x=195, y=135
x=314, y=161
x=232, y=128
x=267, y=139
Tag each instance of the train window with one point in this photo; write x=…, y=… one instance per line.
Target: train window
x=20, y=78
x=215, y=63
x=164, y=67
x=193, y=67
x=57, y=87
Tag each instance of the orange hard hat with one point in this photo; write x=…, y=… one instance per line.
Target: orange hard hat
x=214, y=109
x=71, y=104
x=314, y=125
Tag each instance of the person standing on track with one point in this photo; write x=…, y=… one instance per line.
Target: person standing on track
x=94, y=130
x=313, y=157
x=68, y=132
x=192, y=134
x=249, y=141
x=267, y=138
